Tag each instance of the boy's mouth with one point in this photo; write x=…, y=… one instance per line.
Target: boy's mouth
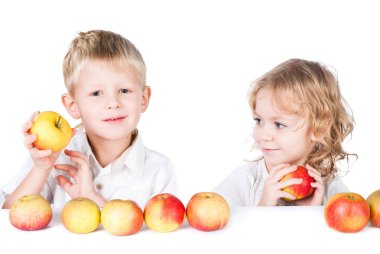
x=114, y=119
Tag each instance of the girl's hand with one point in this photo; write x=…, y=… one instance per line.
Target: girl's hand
x=43, y=159
x=317, y=198
x=83, y=180
x=272, y=191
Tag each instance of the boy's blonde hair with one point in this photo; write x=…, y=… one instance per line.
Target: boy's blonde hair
x=311, y=90
x=99, y=45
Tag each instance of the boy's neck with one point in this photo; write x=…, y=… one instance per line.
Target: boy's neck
x=107, y=151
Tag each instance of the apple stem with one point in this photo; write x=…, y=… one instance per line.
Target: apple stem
x=57, y=123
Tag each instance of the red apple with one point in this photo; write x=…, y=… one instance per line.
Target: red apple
x=347, y=212
x=30, y=212
x=122, y=217
x=302, y=190
x=207, y=211
x=373, y=201
x=164, y=213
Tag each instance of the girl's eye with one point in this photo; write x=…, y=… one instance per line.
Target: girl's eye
x=279, y=125
x=124, y=90
x=258, y=121
x=96, y=93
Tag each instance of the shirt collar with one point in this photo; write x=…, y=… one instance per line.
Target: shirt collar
x=133, y=157
x=135, y=160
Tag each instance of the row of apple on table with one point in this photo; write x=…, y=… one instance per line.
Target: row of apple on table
x=205, y=211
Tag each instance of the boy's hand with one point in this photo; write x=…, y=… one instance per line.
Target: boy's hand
x=43, y=159
x=317, y=197
x=272, y=191
x=83, y=180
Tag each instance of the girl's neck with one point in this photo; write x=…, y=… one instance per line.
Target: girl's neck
x=107, y=151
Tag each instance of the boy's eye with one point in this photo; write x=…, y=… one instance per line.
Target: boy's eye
x=258, y=121
x=124, y=90
x=96, y=93
x=279, y=125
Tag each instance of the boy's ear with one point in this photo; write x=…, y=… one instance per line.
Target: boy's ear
x=145, y=98
x=70, y=105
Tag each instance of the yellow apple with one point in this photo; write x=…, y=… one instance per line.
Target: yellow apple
x=52, y=131
x=164, y=213
x=207, y=211
x=30, y=212
x=122, y=217
x=373, y=201
x=81, y=215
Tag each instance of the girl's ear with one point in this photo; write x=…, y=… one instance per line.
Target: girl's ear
x=70, y=105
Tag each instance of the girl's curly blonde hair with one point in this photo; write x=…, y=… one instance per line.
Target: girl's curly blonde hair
x=313, y=87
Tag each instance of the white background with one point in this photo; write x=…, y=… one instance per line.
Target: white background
x=201, y=58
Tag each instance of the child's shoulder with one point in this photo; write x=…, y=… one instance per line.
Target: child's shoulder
x=250, y=168
x=155, y=157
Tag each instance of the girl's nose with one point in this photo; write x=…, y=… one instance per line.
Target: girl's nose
x=268, y=137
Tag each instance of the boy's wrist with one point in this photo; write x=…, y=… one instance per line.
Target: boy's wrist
x=98, y=199
x=41, y=169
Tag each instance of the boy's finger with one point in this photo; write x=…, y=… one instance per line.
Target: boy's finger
x=29, y=140
x=67, y=168
x=26, y=126
x=65, y=184
x=37, y=154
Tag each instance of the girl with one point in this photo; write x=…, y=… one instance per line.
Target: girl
x=301, y=119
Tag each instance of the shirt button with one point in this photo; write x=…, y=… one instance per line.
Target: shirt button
x=99, y=186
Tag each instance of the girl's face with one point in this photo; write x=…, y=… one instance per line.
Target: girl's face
x=281, y=137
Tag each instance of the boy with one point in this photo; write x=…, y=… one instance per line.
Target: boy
x=105, y=78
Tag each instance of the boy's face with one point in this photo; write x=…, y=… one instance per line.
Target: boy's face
x=109, y=100
x=282, y=137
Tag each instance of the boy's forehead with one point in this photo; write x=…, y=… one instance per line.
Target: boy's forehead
x=98, y=72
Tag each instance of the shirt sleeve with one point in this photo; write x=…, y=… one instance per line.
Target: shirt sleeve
x=17, y=179
x=165, y=179
x=236, y=187
x=334, y=186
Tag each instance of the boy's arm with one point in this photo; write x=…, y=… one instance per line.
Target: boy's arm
x=43, y=162
x=33, y=183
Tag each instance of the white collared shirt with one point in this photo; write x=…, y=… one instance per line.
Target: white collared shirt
x=244, y=186
x=138, y=174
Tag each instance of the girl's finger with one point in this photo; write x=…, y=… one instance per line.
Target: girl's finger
x=284, y=171
x=284, y=194
x=289, y=182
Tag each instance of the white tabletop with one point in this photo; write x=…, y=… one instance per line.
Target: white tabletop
x=249, y=230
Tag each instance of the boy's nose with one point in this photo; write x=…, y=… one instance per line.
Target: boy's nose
x=113, y=106
x=113, y=103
